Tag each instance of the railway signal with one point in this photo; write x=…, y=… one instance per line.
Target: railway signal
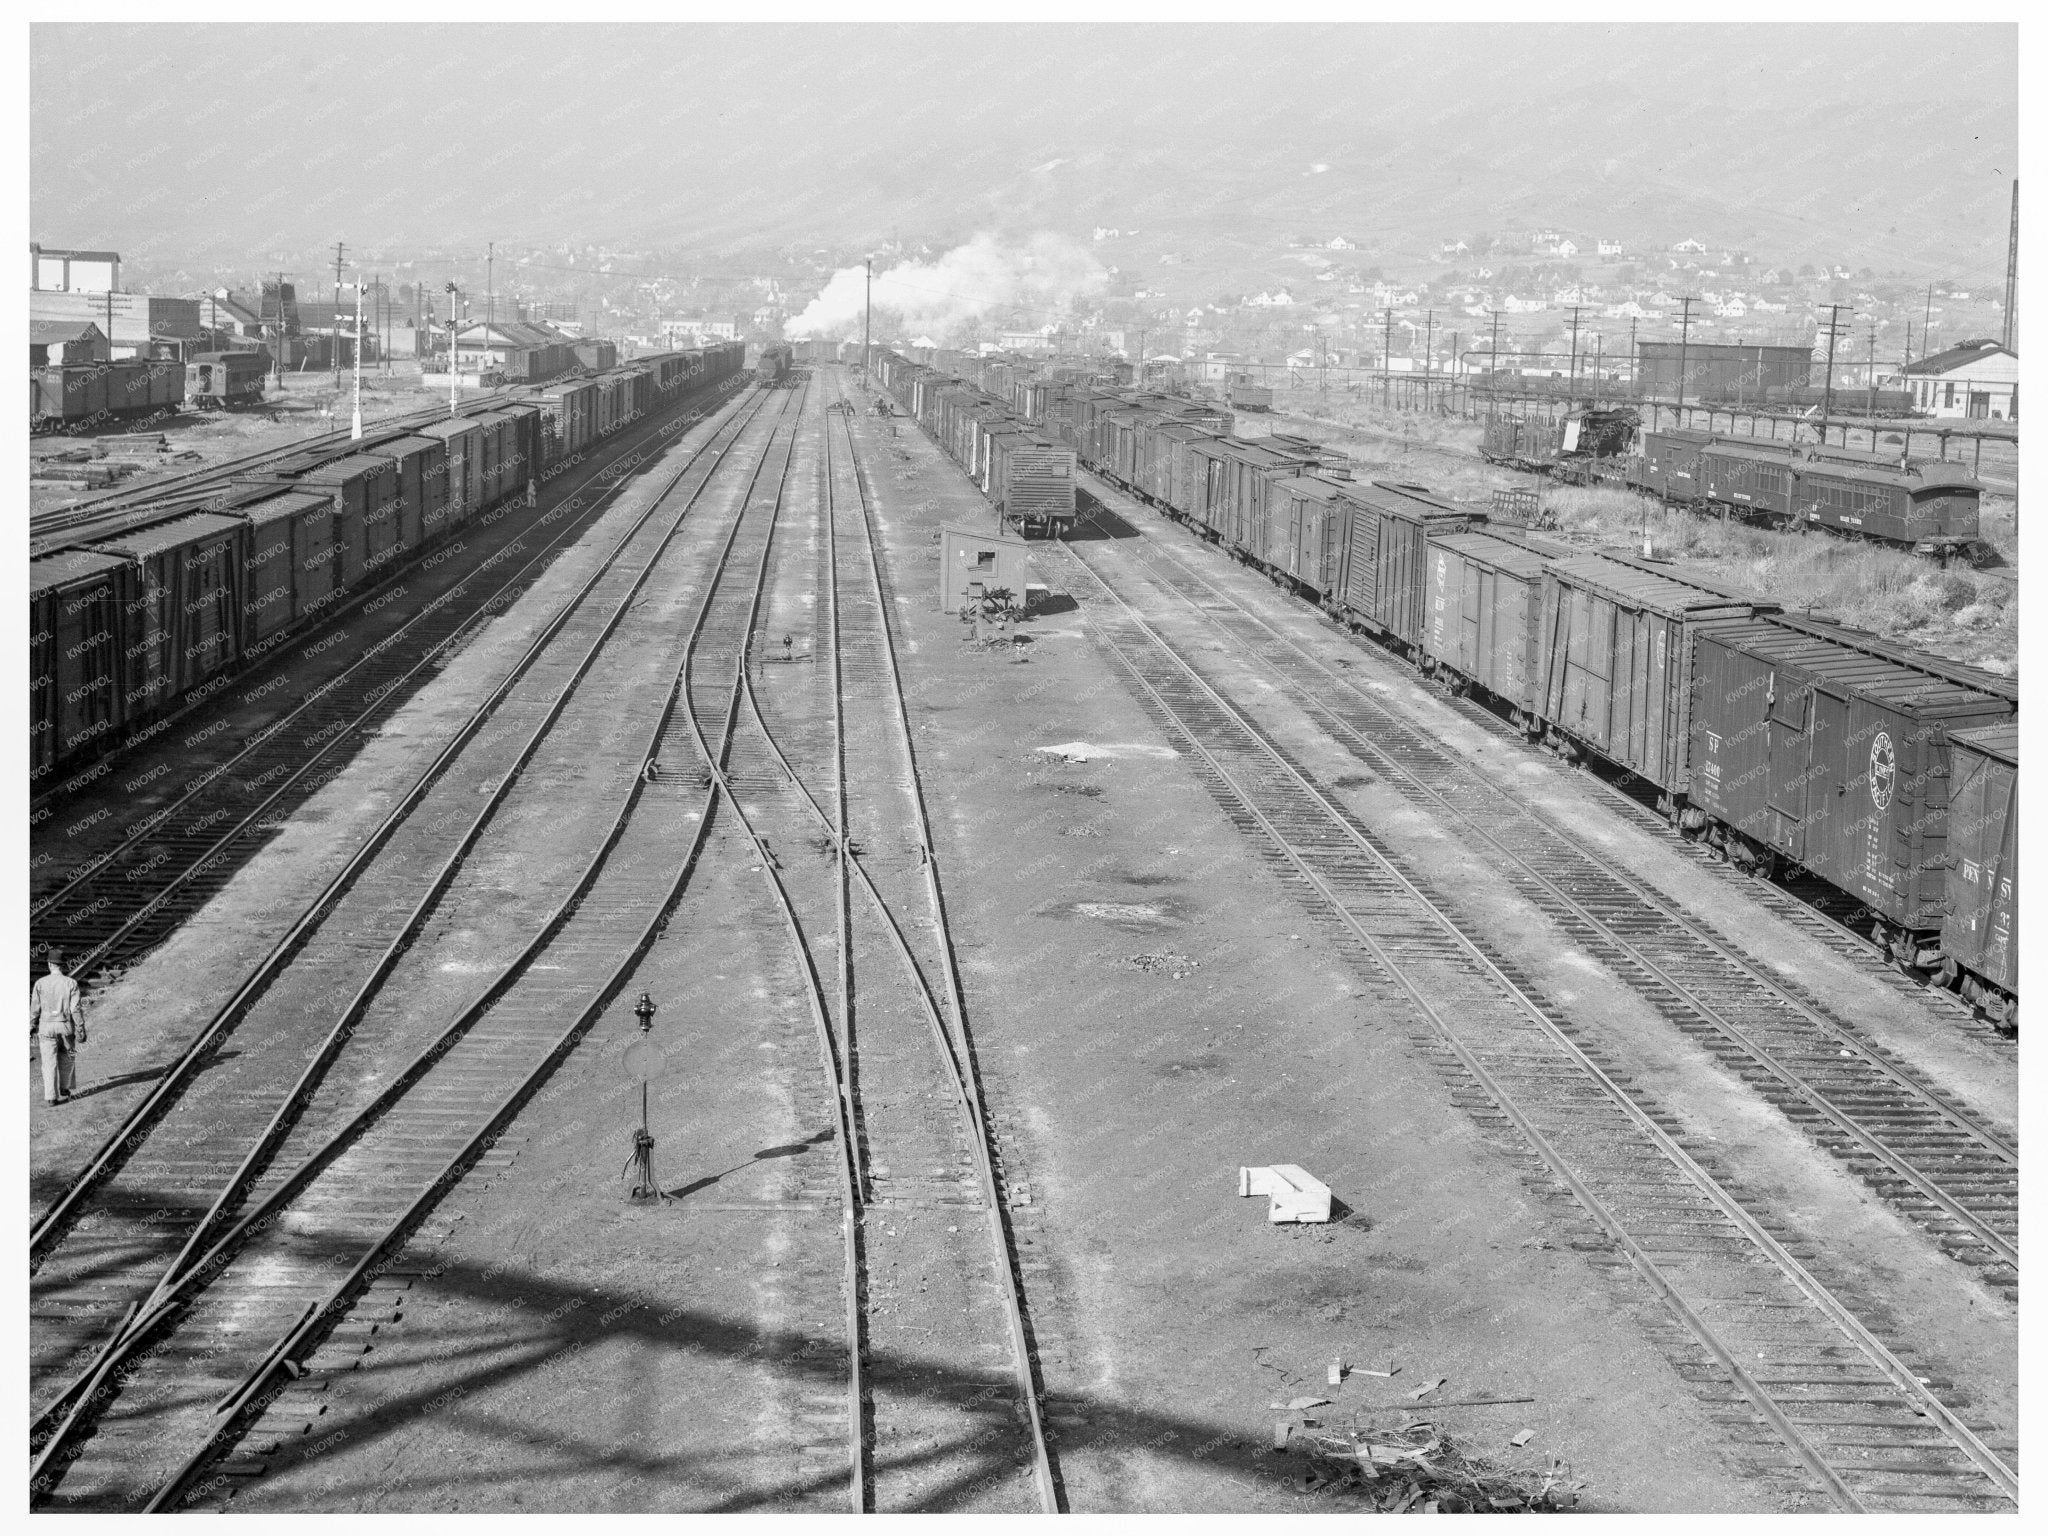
x=644, y=1060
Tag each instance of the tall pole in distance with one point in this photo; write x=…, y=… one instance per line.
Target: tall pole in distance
x=1871, y=408
x=867, y=323
x=2012, y=270
x=1428, y=351
x=1572, y=383
x=1927, y=322
x=355, y=430
x=452, y=408
x=1827, y=398
x=334, y=337
x=1684, y=335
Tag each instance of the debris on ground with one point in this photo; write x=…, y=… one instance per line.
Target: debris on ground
x=1418, y=1469
x=1295, y=1194
x=1424, y=1391
x=1165, y=960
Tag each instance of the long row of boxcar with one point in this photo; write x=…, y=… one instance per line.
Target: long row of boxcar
x=1026, y=476
x=125, y=627
x=1928, y=507
x=1890, y=774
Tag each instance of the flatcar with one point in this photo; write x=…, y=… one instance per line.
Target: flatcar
x=1756, y=728
x=125, y=626
x=226, y=379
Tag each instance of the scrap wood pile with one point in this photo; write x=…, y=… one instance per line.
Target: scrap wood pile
x=1418, y=1469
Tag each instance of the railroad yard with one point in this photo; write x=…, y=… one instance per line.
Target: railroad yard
x=652, y=1009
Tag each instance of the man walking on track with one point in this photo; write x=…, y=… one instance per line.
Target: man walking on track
x=59, y=1023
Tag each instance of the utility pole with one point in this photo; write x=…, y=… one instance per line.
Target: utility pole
x=452, y=408
x=1827, y=399
x=1871, y=408
x=1927, y=322
x=277, y=357
x=1635, y=371
x=355, y=430
x=1428, y=349
x=1387, y=363
x=1493, y=365
x=1141, y=359
x=1684, y=335
x=2012, y=270
x=868, y=319
x=334, y=340
x=490, y=289
x=1572, y=383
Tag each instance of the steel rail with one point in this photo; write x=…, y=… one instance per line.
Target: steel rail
x=1901, y=1377
x=1852, y=1128
x=55, y=1217
x=155, y=823
x=1044, y=1475
x=206, y=1270
x=299, y=1341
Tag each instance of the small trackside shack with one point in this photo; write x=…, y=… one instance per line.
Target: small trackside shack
x=1983, y=856
x=979, y=558
x=1615, y=655
x=1835, y=754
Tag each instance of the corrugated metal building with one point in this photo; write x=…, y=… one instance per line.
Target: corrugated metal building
x=1720, y=370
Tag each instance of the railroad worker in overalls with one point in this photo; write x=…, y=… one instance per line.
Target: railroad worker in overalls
x=59, y=1023
x=533, y=493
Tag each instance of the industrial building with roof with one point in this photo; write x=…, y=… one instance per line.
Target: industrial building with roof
x=1971, y=379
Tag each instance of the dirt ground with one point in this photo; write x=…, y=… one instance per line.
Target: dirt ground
x=1151, y=1011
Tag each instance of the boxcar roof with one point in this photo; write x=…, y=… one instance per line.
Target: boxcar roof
x=1514, y=533
x=447, y=429
x=1876, y=645
x=1476, y=544
x=1670, y=595
x=193, y=528
x=2001, y=741
x=1897, y=687
x=341, y=469
x=48, y=572
x=1413, y=501
x=285, y=504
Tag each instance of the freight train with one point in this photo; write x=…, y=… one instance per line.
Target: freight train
x=1028, y=477
x=127, y=627
x=72, y=395
x=1930, y=508
x=1776, y=738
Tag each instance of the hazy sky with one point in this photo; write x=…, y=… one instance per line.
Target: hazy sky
x=224, y=140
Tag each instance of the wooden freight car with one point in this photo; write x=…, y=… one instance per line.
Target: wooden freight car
x=78, y=601
x=185, y=604
x=1979, y=932
x=1484, y=616
x=226, y=379
x=1383, y=587
x=1616, y=654
x=1812, y=746
x=291, y=568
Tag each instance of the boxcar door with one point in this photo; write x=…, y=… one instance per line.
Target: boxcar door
x=1793, y=765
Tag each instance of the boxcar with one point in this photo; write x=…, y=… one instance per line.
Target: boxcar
x=1615, y=654
x=366, y=507
x=1836, y=757
x=422, y=464
x=1310, y=517
x=1669, y=465
x=1485, y=599
x=461, y=445
x=1032, y=480
x=523, y=445
x=78, y=620
x=1977, y=932
x=1384, y=583
x=185, y=605
x=1931, y=507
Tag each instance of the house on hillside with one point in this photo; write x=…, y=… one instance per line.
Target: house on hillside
x=1339, y=243
x=1610, y=248
x=1565, y=250
x=1974, y=379
x=1691, y=247
x=1278, y=298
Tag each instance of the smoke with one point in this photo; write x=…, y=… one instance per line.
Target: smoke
x=1020, y=287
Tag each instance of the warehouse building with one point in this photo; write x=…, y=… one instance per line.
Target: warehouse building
x=1974, y=379
x=1720, y=370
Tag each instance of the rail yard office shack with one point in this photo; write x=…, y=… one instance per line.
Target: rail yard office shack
x=977, y=558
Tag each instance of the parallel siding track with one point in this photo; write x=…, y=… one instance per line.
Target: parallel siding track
x=1835, y=1411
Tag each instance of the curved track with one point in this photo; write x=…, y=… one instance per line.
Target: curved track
x=1923, y=1150
x=1761, y=1332
x=138, y=885
x=826, y=790
x=435, y=1067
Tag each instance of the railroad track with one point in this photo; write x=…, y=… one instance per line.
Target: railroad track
x=826, y=789
x=1925, y=1152
x=259, y=1293
x=133, y=888
x=115, y=512
x=1831, y=1410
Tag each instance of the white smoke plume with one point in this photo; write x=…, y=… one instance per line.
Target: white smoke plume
x=1017, y=287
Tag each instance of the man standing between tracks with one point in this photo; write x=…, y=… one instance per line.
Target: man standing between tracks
x=59, y=1023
